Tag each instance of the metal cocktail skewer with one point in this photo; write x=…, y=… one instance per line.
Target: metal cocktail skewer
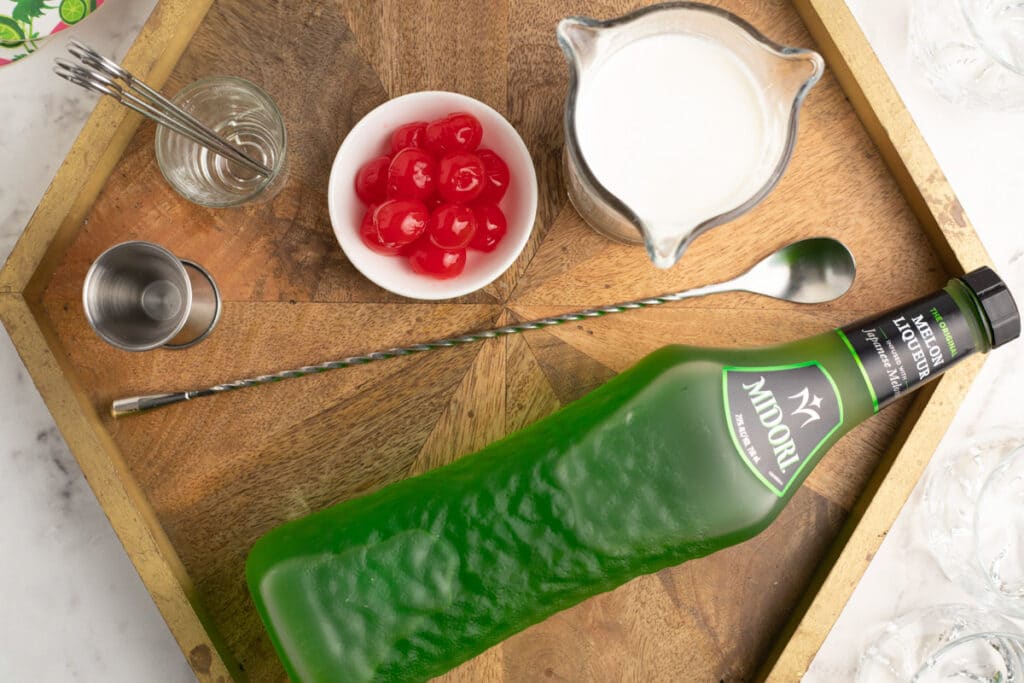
x=98, y=82
x=94, y=59
x=809, y=271
x=99, y=74
x=96, y=66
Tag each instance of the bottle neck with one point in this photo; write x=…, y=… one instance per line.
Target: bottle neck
x=783, y=417
x=913, y=344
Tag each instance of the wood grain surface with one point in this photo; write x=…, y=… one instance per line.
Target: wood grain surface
x=221, y=472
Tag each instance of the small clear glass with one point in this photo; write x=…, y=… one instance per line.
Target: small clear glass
x=972, y=50
x=945, y=643
x=246, y=116
x=973, y=515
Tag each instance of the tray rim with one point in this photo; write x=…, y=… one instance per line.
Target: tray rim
x=106, y=134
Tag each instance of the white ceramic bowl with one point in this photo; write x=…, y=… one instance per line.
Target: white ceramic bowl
x=369, y=138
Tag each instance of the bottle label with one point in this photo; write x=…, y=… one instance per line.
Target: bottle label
x=909, y=346
x=779, y=417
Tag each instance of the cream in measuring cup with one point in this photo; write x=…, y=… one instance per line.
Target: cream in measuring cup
x=679, y=118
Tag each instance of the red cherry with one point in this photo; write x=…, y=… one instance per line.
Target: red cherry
x=463, y=132
x=460, y=177
x=408, y=249
x=491, y=226
x=411, y=175
x=409, y=135
x=368, y=232
x=442, y=264
x=400, y=221
x=371, y=180
x=458, y=132
x=451, y=226
x=496, y=176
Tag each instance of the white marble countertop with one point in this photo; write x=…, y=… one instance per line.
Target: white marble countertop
x=71, y=604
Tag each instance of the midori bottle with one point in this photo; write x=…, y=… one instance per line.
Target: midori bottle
x=689, y=451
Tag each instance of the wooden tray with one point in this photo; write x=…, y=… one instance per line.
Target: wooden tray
x=188, y=489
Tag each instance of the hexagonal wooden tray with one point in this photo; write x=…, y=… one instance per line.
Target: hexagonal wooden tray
x=189, y=488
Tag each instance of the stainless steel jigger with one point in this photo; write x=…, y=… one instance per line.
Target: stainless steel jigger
x=139, y=296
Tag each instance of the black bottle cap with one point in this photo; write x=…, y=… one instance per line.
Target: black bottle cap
x=997, y=303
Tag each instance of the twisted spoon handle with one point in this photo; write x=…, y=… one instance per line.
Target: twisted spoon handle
x=138, y=404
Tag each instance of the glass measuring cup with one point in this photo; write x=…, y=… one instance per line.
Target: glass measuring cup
x=781, y=76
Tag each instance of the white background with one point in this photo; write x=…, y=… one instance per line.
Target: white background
x=71, y=604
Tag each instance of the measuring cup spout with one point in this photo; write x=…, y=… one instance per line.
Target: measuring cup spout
x=577, y=37
x=798, y=70
x=666, y=243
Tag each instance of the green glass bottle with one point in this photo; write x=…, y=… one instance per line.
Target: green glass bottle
x=689, y=451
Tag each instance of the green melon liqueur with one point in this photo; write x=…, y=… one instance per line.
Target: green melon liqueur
x=688, y=452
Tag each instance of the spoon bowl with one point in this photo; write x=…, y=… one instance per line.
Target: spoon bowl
x=811, y=271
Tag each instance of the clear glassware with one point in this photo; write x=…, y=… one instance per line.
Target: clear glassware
x=973, y=516
x=247, y=117
x=944, y=643
x=972, y=50
x=784, y=75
